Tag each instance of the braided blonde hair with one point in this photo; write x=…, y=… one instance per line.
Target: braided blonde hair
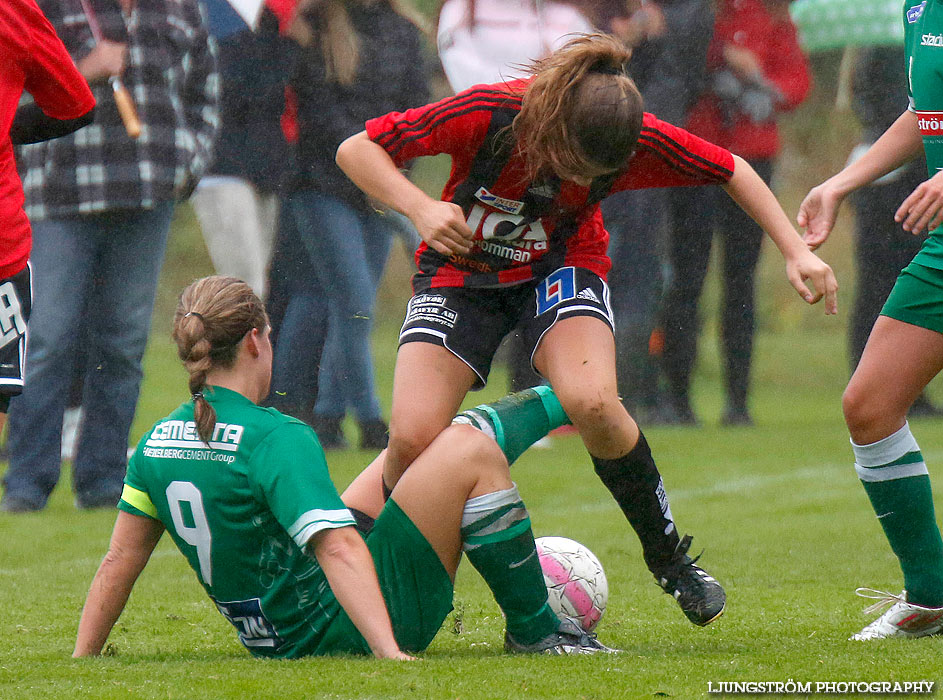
x=213, y=316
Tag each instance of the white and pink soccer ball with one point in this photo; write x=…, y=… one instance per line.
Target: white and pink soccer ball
x=576, y=583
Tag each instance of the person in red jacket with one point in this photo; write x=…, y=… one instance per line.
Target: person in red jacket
x=32, y=59
x=757, y=71
x=518, y=238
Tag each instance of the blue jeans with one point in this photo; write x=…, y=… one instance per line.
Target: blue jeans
x=347, y=248
x=298, y=311
x=94, y=281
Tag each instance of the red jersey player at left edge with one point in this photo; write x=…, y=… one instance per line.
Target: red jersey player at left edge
x=518, y=239
x=32, y=59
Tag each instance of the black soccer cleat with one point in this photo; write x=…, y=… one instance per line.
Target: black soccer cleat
x=569, y=638
x=701, y=598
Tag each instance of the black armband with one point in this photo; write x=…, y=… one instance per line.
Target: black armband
x=31, y=125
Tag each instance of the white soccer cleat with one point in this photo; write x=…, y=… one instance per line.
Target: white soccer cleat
x=902, y=619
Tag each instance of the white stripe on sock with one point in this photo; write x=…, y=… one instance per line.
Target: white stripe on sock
x=893, y=447
x=474, y=507
x=873, y=461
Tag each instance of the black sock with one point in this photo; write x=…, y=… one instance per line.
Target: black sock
x=634, y=481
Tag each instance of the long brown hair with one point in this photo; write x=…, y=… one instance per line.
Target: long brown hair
x=581, y=111
x=329, y=23
x=213, y=316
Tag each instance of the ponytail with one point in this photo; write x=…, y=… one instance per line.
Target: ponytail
x=213, y=316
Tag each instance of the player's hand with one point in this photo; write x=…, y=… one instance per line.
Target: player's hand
x=442, y=226
x=923, y=208
x=743, y=62
x=817, y=214
x=808, y=267
x=107, y=59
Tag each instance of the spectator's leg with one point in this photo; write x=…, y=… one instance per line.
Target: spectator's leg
x=339, y=245
x=742, y=239
x=689, y=253
x=636, y=221
x=63, y=255
x=119, y=313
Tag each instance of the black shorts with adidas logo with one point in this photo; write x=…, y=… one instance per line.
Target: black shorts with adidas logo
x=470, y=322
x=15, y=301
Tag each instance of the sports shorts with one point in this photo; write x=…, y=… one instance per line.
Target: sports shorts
x=415, y=585
x=917, y=297
x=15, y=301
x=471, y=322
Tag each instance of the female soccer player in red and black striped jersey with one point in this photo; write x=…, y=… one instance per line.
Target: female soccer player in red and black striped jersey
x=32, y=58
x=518, y=238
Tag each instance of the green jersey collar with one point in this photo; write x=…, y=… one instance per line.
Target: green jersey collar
x=219, y=394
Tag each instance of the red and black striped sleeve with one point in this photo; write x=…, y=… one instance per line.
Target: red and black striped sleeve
x=454, y=125
x=668, y=156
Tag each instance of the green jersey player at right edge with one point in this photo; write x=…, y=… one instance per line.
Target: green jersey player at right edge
x=905, y=348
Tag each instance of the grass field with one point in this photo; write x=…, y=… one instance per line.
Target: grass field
x=785, y=525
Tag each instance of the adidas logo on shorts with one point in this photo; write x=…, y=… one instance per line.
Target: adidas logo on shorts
x=588, y=294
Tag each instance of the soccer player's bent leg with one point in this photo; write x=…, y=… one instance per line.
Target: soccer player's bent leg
x=459, y=494
x=899, y=360
x=428, y=387
x=514, y=422
x=519, y=420
x=577, y=355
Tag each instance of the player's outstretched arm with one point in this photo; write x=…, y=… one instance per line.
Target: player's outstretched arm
x=132, y=542
x=440, y=224
x=898, y=145
x=346, y=561
x=802, y=265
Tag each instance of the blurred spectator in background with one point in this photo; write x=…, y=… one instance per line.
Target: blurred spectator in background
x=236, y=203
x=489, y=41
x=357, y=59
x=101, y=205
x=294, y=291
x=757, y=70
x=882, y=247
x=669, y=40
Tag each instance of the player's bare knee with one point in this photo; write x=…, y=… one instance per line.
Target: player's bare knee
x=406, y=445
x=595, y=411
x=864, y=415
x=474, y=445
x=472, y=450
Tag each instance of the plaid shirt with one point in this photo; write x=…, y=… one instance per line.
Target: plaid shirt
x=171, y=75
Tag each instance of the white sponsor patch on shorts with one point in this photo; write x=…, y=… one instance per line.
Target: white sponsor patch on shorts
x=430, y=308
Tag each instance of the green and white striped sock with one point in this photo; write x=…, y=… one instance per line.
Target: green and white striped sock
x=896, y=480
x=517, y=421
x=498, y=541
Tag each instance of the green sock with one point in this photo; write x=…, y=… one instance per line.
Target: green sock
x=498, y=541
x=518, y=421
x=896, y=480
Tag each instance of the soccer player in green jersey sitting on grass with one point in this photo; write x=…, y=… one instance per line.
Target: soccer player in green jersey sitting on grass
x=246, y=496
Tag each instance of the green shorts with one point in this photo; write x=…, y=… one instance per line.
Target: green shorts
x=416, y=587
x=917, y=297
